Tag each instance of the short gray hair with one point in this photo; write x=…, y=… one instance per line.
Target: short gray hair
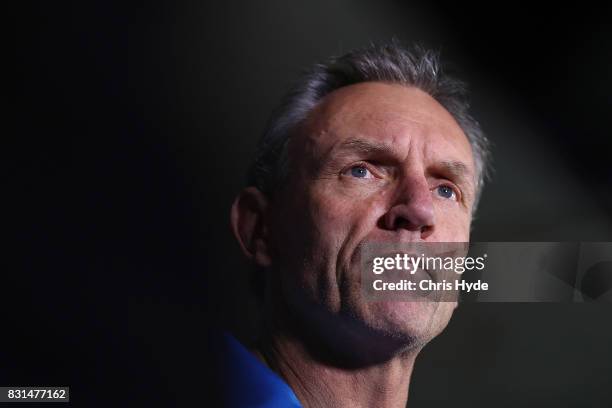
x=416, y=67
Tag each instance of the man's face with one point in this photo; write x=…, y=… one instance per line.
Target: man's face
x=373, y=162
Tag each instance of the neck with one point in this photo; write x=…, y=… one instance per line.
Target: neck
x=320, y=383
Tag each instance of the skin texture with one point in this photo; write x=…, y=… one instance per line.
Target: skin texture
x=373, y=162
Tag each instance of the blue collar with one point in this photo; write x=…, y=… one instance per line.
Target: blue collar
x=249, y=383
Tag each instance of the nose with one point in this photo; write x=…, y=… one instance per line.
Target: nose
x=412, y=208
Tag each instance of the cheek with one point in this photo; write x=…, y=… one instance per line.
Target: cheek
x=309, y=232
x=347, y=217
x=330, y=225
x=452, y=226
x=321, y=224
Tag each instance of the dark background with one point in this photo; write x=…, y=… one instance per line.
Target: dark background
x=134, y=123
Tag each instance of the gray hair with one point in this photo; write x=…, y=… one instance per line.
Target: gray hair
x=416, y=67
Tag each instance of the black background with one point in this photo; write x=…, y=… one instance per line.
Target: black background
x=134, y=123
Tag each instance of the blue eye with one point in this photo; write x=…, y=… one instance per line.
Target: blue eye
x=359, y=172
x=445, y=191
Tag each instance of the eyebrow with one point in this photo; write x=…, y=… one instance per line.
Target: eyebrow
x=452, y=169
x=457, y=172
x=455, y=168
x=364, y=146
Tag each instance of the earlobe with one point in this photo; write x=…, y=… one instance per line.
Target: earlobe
x=248, y=222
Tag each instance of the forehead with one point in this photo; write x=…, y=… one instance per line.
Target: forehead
x=394, y=114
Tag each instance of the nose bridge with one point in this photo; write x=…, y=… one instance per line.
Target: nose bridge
x=412, y=206
x=413, y=188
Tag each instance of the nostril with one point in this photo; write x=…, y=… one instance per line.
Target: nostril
x=411, y=217
x=402, y=223
x=426, y=231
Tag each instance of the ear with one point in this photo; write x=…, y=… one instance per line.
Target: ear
x=248, y=219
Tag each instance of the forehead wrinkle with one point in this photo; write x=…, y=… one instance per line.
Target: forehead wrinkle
x=343, y=114
x=364, y=146
x=387, y=107
x=354, y=107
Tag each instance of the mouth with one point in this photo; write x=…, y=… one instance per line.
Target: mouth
x=394, y=263
x=417, y=269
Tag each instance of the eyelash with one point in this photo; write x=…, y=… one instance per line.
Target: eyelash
x=365, y=165
x=375, y=174
x=455, y=190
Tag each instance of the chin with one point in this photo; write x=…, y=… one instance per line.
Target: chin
x=408, y=325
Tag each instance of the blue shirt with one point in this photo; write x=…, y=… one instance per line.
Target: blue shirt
x=249, y=383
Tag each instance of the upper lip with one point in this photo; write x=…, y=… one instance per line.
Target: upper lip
x=393, y=254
